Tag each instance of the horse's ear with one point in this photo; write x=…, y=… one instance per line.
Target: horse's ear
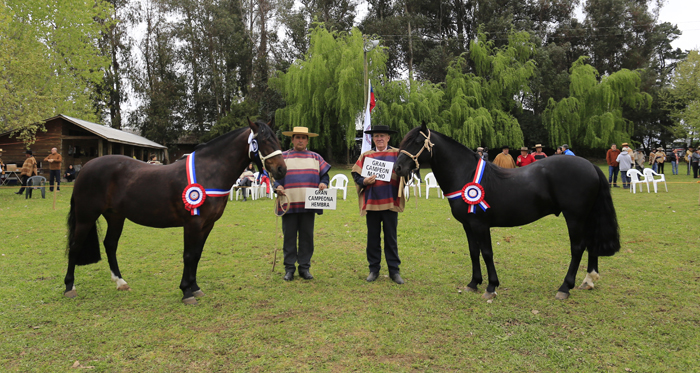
x=253, y=126
x=271, y=124
x=424, y=127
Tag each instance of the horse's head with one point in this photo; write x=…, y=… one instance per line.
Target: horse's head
x=415, y=148
x=269, y=148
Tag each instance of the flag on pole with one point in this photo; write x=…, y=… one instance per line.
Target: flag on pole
x=366, y=137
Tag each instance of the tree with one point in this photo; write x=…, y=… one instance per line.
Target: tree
x=682, y=98
x=324, y=91
x=592, y=115
x=49, y=62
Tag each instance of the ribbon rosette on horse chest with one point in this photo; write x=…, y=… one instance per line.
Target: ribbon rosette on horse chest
x=193, y=196
x=473, y=193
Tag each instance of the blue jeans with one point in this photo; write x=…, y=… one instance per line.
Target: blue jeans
x=625, y=179
x=674, y=167
x=655, y=167
x=613, y=170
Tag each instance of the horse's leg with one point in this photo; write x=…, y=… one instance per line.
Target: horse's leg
x=195, y=237
x=576, y=234
x=476, y=265
x=482, y=239
x=592, y=275
x=114, y=231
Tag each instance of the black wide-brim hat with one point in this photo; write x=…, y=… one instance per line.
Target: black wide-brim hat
x=29, y=152
x=381, y=129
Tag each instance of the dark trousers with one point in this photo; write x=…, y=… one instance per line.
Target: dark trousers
x=57, y=175
x=24, y=179
x=661, y=168
x=695, y=170
x=301, y=224
x=389, y=220
x=612, y=174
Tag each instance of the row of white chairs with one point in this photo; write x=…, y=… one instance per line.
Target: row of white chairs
x=649, y=176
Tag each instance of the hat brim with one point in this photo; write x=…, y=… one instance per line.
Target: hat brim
x=388, y=132
x=292, y=133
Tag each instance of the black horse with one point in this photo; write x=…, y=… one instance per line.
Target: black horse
x=189, y=194
x=562, y=184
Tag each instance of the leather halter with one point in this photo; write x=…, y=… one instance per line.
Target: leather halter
x=426, y=145
x=263, y=158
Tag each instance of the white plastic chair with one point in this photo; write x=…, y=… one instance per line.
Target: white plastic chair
x=431, y=182
x=340, y=182
x=253, y=190
x=652, y=177
x=636, y=177
x=413, y=183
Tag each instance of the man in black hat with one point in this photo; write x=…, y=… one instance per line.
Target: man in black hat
x=504, y=159
x=380, y=204
x=29, y=169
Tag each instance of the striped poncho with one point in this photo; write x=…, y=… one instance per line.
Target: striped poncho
x=381, y=195
x=304, y=170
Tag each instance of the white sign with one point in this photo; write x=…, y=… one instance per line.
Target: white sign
x=377, y=167
x=320, y=199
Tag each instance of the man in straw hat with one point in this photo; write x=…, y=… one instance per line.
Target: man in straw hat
x=539, y=154
x=380, y=204
x=305, y=169
x=504, y=159
x=28, y=170
x=525, y=158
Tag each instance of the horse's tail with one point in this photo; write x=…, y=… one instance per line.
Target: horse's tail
x=602, y=230
x=90, y=251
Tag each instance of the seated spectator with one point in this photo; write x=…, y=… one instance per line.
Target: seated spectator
x=246, y=180
x=70, y=173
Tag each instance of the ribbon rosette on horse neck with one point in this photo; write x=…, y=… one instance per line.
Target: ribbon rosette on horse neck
x=473, y=193
x=194, y=194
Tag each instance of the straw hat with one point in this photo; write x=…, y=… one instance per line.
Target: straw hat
x=625, y=144
x=538, y=146
x=300, y=131
x=524, y=149
x=381, y=129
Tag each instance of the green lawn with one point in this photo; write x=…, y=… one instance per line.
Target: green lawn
x=643, y=315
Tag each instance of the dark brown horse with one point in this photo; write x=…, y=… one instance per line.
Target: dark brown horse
x=557, y=185
x=119, y=188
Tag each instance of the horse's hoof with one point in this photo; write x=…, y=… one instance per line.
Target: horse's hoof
x=487, y=295
x=561, y=295
x=586, y=286
x=198, y=293
x=71, y=293
x=124, y=287
x=470, y=289
x=191, y=301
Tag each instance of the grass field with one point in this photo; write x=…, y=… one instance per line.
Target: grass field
x=643, y=315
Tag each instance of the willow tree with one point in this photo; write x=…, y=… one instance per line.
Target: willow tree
x=592, y=115
x=479, y=106
x=324, y=90
x=49, y=61
x=682, y=98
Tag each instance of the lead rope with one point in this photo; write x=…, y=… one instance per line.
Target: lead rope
x=278, y=203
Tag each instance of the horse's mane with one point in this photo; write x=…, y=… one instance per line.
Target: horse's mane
x=264, y=132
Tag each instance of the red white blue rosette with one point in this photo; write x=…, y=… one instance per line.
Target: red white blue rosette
x=473, y=193
x=194, y=196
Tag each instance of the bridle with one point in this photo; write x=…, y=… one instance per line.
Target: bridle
x=253, y=149
x=426, y=145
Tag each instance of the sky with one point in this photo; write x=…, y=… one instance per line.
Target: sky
x=686, y=15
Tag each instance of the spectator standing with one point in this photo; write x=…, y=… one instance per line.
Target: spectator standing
x=639, y=159
x=54, y=160
x=675, y=158
x=695, y=162
x=566, y=150
x=539, y=154
x=380, y=204
x=524, y=158
x=613, y=164
x=559, y=151
x=688, y=156
x=482, y=154
x=305, y=169
x=625, y=163
x=660, y=159
x=29, y=169
x=2, y=166
x=504, y=159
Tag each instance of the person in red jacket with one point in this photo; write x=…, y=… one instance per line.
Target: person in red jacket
x=613, y=165
x=524, y=158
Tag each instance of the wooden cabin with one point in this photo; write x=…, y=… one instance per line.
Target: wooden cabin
x=78, y=141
